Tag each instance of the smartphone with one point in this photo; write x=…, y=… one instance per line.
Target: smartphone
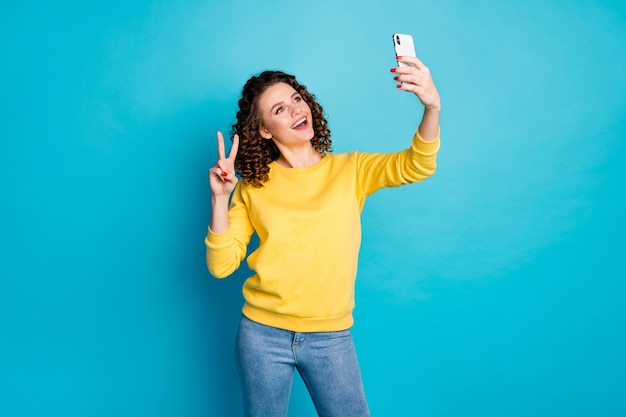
x=403, y=45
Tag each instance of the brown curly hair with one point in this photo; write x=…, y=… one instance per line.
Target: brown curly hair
x=256, y=153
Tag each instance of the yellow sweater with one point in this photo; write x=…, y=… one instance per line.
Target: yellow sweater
x=309, y=228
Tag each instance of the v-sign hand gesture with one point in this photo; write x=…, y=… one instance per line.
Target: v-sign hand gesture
x=222, y=177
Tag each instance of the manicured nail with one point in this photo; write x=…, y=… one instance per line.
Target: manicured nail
x=224, y=174
x=399, y=85
x=398, y=57
x=393, y=70
x=397, y=77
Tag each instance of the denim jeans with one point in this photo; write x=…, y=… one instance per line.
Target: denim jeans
x=267, y=356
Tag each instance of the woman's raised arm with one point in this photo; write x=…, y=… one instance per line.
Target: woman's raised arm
x=222, y=180
x=416, y=78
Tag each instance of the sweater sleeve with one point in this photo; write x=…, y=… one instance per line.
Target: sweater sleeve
x=379, y=170
x=225, y=251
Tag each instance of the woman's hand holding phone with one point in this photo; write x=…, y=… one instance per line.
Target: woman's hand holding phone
x=416, y=78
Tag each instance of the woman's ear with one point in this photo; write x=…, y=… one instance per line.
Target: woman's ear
x=265, y=134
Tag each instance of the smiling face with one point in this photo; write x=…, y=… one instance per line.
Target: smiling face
x=285, y=116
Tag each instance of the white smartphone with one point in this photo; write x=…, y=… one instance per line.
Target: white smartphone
x=403, y=45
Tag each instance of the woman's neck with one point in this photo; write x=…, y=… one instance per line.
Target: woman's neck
x=299, y=158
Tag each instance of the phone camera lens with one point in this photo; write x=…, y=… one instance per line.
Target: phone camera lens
x=398, y=40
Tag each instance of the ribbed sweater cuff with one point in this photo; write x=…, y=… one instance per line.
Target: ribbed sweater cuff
x=427, y=147
x=218, y=240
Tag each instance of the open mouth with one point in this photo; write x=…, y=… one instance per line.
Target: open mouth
x=300, y=124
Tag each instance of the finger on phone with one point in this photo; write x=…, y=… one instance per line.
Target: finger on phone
x=414, y=60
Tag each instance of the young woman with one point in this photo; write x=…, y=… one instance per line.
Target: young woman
x=304, y=202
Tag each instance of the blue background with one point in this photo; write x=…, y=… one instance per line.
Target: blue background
x=495, y=288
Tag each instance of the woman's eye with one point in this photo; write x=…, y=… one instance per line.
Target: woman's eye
x=279, y=110
x=297, y=99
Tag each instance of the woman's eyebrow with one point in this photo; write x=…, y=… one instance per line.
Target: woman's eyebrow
x=282, y=101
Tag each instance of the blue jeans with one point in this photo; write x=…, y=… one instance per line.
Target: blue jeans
x=267, y=356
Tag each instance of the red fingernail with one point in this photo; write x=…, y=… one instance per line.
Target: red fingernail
x=224, y=174
x=393, y=70
x=397, y=77
x=398, y=57
x=399, y=85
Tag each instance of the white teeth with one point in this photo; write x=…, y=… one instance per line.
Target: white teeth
x=299, y=122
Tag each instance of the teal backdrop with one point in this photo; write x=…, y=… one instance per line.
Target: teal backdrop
x=495, y=288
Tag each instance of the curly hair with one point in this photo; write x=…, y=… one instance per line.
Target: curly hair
x=256, y=153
